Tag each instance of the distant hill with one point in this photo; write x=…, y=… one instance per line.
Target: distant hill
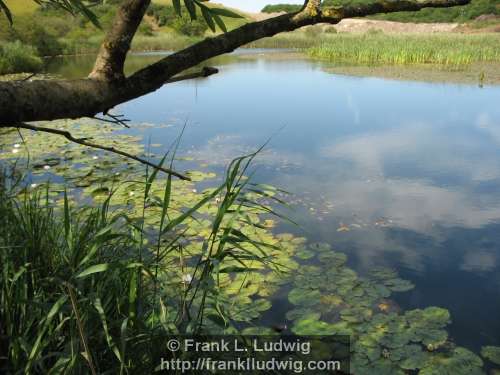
x=276, y=8
x=456, y=14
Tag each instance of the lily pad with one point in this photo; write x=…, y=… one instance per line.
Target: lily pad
x=459, y=362
x=304, y=297
x=312, y=327
x=304, y=254
x=492, y=353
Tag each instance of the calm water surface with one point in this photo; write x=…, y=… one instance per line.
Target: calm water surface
x=411, y=168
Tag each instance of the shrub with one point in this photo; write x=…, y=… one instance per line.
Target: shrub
x=163, y=15
x=185, y=26
x=145, y=29
x=16, y=57
x=289, y=8
x=37, y=36
x=42, y=34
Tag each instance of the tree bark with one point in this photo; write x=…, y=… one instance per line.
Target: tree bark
x=111, y=58
x=107, y=87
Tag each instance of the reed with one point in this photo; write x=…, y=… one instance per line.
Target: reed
x=378, y=48
x=84, y=289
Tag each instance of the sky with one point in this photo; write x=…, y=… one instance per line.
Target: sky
x=254, y=5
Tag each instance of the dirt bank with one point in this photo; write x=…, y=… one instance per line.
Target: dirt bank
x=388, y=27
x=357, y=25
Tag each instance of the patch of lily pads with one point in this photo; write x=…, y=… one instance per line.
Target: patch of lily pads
x=491, y=353
x=92, y=176
x=330, y=298
x=327, y=296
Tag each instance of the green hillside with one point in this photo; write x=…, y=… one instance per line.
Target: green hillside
x=456, y=14
x=21, y=6
x=53, y=31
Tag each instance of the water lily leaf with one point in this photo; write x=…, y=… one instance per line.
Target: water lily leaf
x=432, y=338
x=398, y=285
x=331, y=300
x=459, y=362
x=413, y=357
x=320, y=246
x=342, y=328
x=396, y=340
x=382, y=273
x=304, y=297
x=302, y=312
x=491, y=353
x=311, y=327
x=304, y=254
x=333, y=258
x=384, y=367
x=356, y=314
x=431, y=317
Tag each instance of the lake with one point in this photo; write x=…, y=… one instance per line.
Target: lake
x=404, y=174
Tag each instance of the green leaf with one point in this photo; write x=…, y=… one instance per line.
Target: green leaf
x=491, y=353
x=304, y=297
x=38, y=346
x=177, y=6
x=5, y=10
x=191, y=8
x=220, y=22
x=98, y=268
x=205, y=11
x=225, y=13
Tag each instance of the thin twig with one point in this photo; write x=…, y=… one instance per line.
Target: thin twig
x=84, y=142
x=116, y=119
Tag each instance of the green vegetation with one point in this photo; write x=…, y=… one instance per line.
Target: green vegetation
x=299, y=39
x=95, y=271
x=455, y=14
x=16, y=57
x=167, y=16
x=55, y=32
x=459, y=14
x=331, y=298
x=97, y=268
x=491, y=353
x=276, y=8
x=379, y=48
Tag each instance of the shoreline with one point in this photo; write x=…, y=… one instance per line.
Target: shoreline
x=481, y=74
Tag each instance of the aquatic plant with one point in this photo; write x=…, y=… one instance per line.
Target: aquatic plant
x=16, y=57
x=491, y=353
x=332, y=299
x=99, y=266
x=369, y=49
x=108, y=258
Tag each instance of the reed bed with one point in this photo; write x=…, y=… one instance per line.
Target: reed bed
x=407, y=49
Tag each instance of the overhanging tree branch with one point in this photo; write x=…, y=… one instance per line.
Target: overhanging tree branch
x=106, y=87
x=85, y=142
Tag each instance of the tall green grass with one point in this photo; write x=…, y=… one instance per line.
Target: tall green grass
x=84, y=290
x=378, y=48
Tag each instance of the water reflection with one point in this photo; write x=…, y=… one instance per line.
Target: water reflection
x=405, y=174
